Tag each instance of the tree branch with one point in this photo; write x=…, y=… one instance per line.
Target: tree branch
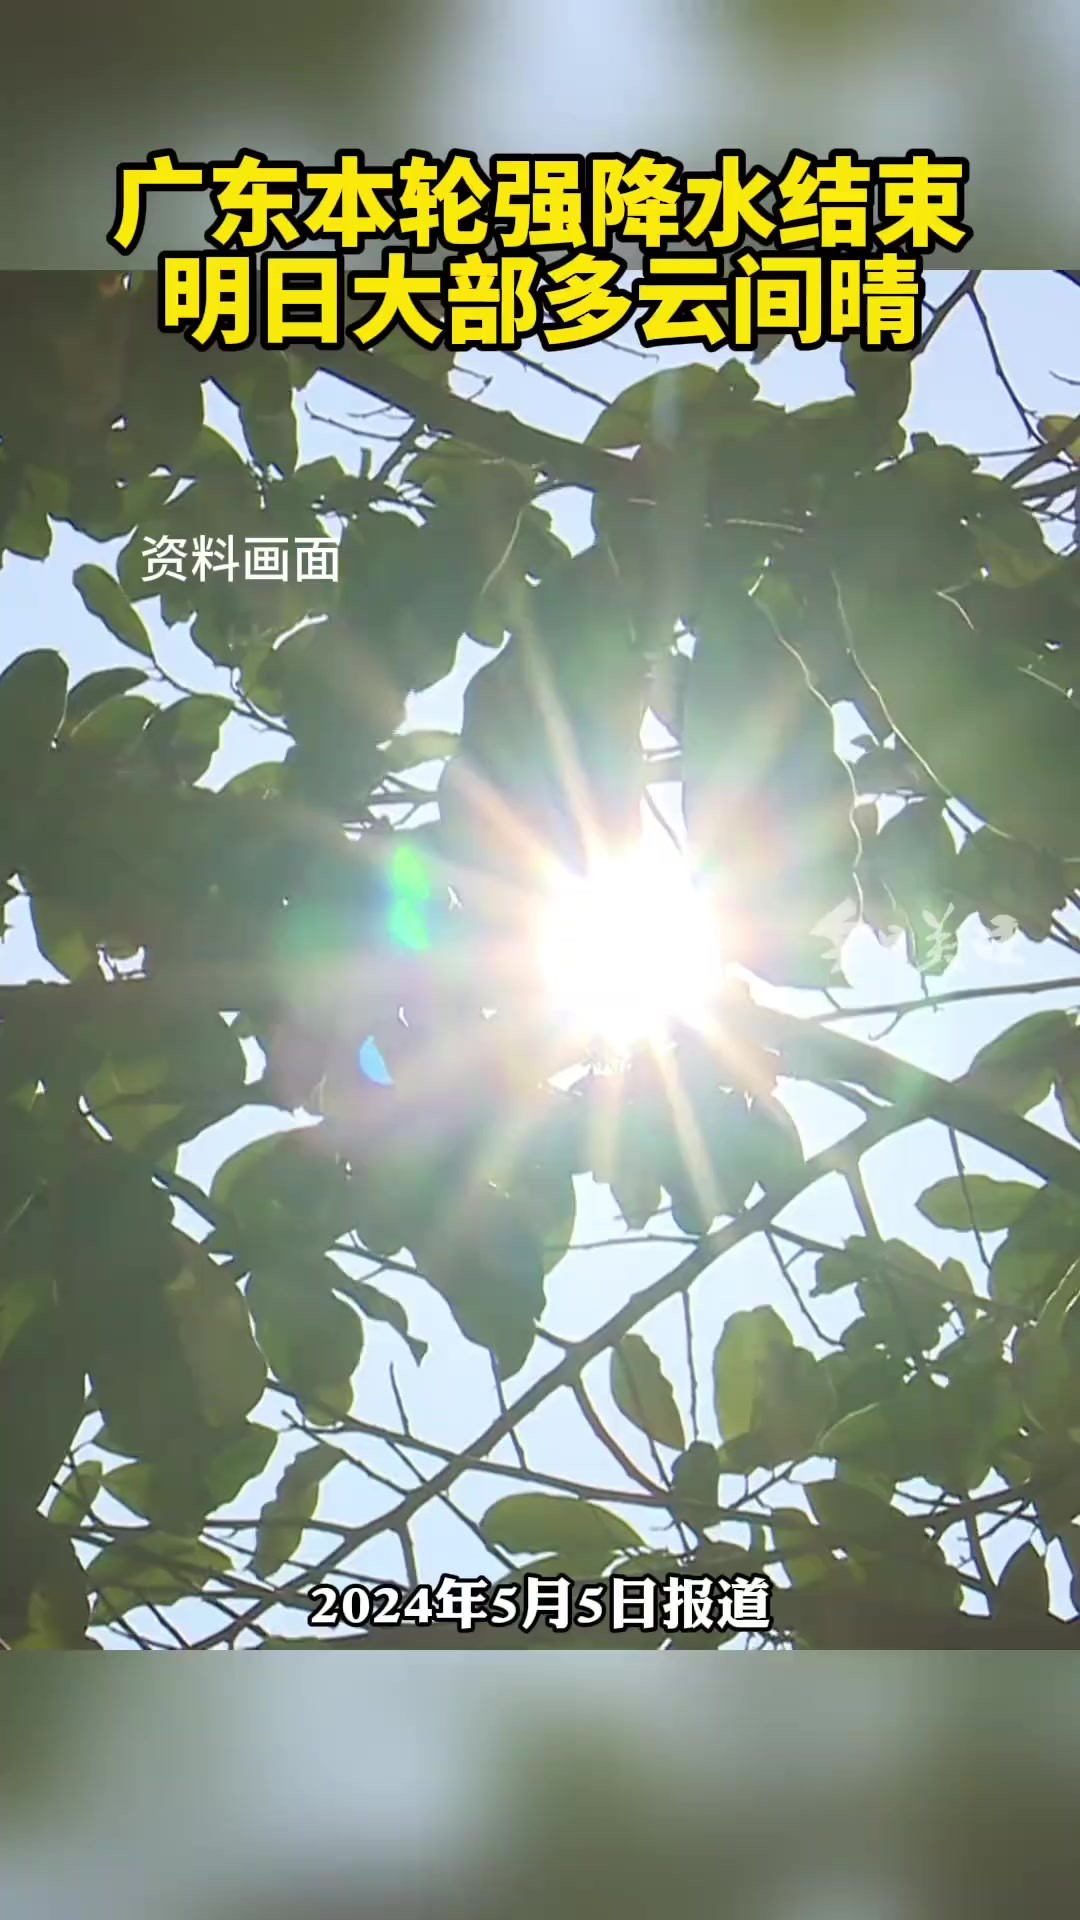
x=815, y=1053
x=566, y=1372
x=499, y=433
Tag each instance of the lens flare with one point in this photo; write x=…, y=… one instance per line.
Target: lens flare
x=410, y=894
x=631, y=948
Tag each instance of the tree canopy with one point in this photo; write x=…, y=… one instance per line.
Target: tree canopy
x=168, y=1345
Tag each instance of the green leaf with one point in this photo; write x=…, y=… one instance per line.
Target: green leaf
x=215, y=1334
x=105, y=597
x=998, y=739
x=911, y=865
x=694, y=1481
x=489, y=1269
x=137, y=1486
x=240, y=1457
x=905, y=1318
x=1011, y=545
x=285, y=1190
x=271, y=438
x=44, y=1603
x=380, y=1306
x=20, y=1298
x=1037, y=1251
x=33, y=694
x=177, y=1495
x=1023, y=1589
x=749, y=1338
x=1056, y=1467
x=661, y=408
x=62, y=941
x=546, y=1202
x=643, y=1393
x=417, y=748
x=40, y=494
x=185, y=736
x=1070, y=1336
x=835, y=1271
x=870, y=1439
x=162, y=397
x=1053, y=425
x=859, y=1518
x=260, y=388
x=889, y=1548
x=772, y=1398
x=312, y=1340
x=1067, y=1086
x=833, y=439
x=1017, y=1068
x=76, y=1495
x=1045, y=1359
x=775, y=1152
x=926, y=499
x=114, y=728
x=637, y=1163
x=43, y=1373
x=637, y=1194
x=95, y=689
x=325, y=482
x=798, y=1544
x=712, y=1148
x=114, y=1093
x=156, y=1567
x=156, y=1080
x=282, y=1520
x=767, y=802
x=976, y=1203
x=903, y=1295
x=949, y=1436
x=881, y=382
x=507, y=744
x=1007, y=882
x=546, y=1523
x=211, y=456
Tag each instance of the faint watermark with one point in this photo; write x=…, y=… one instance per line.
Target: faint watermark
x=935, y=938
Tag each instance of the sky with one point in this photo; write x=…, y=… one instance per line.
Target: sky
x=451, y=1396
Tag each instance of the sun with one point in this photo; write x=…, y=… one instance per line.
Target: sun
x=631, y=948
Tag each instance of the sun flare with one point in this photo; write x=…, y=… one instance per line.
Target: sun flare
x=631, y=948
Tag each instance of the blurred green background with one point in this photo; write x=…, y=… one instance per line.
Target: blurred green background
x=988, y=79
x=838, y=1787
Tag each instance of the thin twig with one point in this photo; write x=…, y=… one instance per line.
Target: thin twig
x=1024, y=413
x=500, y=1396
x=941, y=314
x=785, y=1269
x=691, y=1363
x=560, y=379
x=903, y=1007
x=608, y=1441
x=961, y=1173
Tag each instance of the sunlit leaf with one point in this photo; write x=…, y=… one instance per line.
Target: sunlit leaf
x=283, y=1518
x=643, y=1393
x=105, y=597
x=547, y=1523
x=156, y=1567
x=76, y=1495
x=976, y=1204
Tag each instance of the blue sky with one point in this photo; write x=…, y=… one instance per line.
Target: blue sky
x=451, y=1397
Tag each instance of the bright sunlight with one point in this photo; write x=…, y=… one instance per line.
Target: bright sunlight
x=631, y=948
